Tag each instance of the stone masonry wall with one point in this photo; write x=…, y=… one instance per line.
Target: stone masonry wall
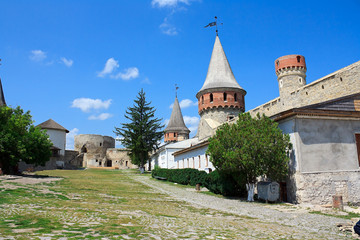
x=343, y=82
x=344, y=183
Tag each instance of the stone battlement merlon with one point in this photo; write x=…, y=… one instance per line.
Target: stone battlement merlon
x=340, y=83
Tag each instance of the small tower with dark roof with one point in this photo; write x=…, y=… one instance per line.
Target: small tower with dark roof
x=221, y=97
x=2, y=97
x=176, y=129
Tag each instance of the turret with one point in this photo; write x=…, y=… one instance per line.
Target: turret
x=221, y=97
x=176, y=129
x=291, y=73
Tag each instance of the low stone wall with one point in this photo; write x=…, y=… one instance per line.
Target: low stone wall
x=318, y=188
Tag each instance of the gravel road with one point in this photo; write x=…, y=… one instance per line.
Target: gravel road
x=303, y=224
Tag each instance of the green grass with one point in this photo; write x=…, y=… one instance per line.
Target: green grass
x=349, y=215
x=95, y=204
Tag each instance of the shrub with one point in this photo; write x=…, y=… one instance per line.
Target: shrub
x=187, y=176
x=224, y=183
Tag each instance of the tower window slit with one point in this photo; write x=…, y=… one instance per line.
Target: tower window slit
x=298, y=58
x=225, y=97
x=211, y=97
x=235, y=97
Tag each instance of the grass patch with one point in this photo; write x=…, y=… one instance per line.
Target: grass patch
x=349, y=215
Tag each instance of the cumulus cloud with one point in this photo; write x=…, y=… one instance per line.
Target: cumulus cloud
x=117, y=141
x=37, y=55
x=67, y=62
x=86, y=104
x=146, y=81
x=167, y=3
x=128, y=74
x=185, y=103
x=110, y=66
x=192, y=123
x=70, y=138
x=102, y=116
x=168, y=28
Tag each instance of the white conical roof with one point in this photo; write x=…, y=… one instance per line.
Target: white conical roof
x=219, y=73
x=176, y=122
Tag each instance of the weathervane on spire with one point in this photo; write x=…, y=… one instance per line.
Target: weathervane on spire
x=214, y=24
x=176, y=88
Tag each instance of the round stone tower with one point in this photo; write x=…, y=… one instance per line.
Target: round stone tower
x=291, y=73
x=176, y=129
x=221, y=97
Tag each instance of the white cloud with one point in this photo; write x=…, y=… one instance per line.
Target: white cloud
x=110, y=66
x=192, y=123
x=146, y=81
x=167, y=3
x=102, y=116
x=67, y=62
x=185, y=103
x=117, y=142
x=128, y=74
x=168, y=28
x=37, y=55
x=86, y=104
x=70, y=138
x=191, y=120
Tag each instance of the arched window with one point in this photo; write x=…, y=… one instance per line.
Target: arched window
x=225, y=96
x=298, y=58
x=235, y=97
x=202, y=99
x=211, y=97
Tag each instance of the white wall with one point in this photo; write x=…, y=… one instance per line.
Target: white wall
x=191, y=160
x=58, y=138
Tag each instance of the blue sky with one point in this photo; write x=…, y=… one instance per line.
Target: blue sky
x=82, y=63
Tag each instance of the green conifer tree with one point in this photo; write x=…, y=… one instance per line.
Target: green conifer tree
x=142, y=133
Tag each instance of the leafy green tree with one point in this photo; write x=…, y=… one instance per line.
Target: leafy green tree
x=20, y=140
x=252, y=147
x=142, y=133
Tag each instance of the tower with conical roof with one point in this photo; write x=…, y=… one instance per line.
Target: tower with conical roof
x=221, y=97
x=2, y=97
x=176, y=129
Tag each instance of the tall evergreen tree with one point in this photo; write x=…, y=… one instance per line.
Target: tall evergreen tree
x=142, y=133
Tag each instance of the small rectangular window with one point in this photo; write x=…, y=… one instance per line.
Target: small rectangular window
x=357, y=140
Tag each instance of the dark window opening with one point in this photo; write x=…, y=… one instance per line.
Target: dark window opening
x=225, y=96
x=83, y=149
x=55, y=152
x=341, y=79
x=100, y=144
x=109, y=163
x=235, y=97
x=298, y=58
x=202, y=99
x=357, y=140
x=277, y=62
x=211, y=97
x=126, y=163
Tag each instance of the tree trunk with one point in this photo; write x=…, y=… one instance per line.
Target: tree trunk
x=250, y=187
x=149, y=167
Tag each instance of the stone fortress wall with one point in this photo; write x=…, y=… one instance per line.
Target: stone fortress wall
x=338, y=84
x=99, y=151
x=310, y=174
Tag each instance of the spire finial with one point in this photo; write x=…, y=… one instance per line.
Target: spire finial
x=214, y=24
x=176, y=88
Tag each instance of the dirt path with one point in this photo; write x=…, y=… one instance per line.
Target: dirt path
x=304, y=224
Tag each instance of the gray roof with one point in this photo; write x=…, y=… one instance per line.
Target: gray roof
x=51, y=124
x=176, y=122
x=219, y=73
x=2, y=97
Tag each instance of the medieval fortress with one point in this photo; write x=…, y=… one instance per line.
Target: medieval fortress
x=322, y=119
